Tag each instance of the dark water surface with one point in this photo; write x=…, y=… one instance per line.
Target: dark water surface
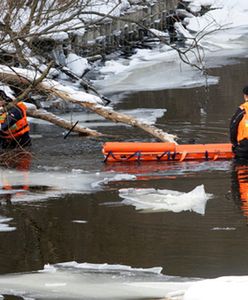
x=184, y=244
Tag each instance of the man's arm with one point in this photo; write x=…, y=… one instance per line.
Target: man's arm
x=237, y=117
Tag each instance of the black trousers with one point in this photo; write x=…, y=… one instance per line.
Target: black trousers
x=241, y=150
x=21, y=141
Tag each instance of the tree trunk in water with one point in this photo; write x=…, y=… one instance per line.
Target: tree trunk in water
x=110, y=114
x=21, y=76
x=47, y=116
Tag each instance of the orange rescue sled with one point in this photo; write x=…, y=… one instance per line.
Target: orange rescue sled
x=134, y=151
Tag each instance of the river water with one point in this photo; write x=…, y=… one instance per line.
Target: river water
x=73, y=211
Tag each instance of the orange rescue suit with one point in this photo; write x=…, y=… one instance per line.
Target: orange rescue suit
x=20, y=127
x=243, y=124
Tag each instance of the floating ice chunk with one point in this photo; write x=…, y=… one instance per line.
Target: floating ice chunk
x=228, y=288
x=5, y=227
x=223, y=228
x=117, y=177
x=79, y=221
x=108, y=267
x=51, y=184
x=93, y=281
x=152, y=200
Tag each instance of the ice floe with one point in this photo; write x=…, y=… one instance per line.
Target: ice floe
x=6, y=227
x=31, y=186
x=72, y=280
x=152, y=200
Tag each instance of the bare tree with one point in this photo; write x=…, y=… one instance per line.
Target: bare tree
x=25, y=22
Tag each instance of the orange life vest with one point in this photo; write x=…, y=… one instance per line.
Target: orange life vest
x=243, y=125
x=20, y=127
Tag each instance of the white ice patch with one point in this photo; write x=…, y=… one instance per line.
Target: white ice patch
x=5, y=227
x=223, y=228
x=108, y=267
x=226, y=288
x=78, y=65
x=146, y=115
x=117, y=177
x=162, y=68
x=52, y=184
x=151, y=70
x=72, y=280
x=75, y=95
x=79, y=221
x=152, y=200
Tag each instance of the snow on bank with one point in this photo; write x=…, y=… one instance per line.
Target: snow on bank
x=161, y=68
x=78, y=65
x=72, y=93
x=50, y=25
x=151, y=200
x=225, y=13
x=149, y=70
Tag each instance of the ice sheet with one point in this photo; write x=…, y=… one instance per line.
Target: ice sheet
x=152, y=200
x=19, y=186
x=92, y=281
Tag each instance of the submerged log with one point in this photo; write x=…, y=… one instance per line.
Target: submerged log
x=47, y=116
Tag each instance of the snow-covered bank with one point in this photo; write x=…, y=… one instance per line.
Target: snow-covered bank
x=221, y=34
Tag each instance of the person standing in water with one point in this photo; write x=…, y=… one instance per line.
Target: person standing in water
x=14, y=131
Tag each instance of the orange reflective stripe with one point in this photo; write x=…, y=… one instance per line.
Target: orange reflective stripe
x=243, y=125
x=2, y=117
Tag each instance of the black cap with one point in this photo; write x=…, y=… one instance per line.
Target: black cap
x=4, y=97
x=245, y=90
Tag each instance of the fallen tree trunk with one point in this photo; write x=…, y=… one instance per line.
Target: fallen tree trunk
x=110, y=114
x=47, y=116
x=83, y=99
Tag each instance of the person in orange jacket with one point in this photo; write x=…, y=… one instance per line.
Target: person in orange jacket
x=239, y=129
x=14, y=130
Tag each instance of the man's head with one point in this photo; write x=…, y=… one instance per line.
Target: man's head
x=4, y=99
x=245, y=92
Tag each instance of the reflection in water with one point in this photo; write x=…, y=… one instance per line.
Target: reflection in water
x=240, y=185
x=166, y=169
x=19, y=161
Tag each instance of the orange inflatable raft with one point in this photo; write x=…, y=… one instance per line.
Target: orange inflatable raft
x=134, y=151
